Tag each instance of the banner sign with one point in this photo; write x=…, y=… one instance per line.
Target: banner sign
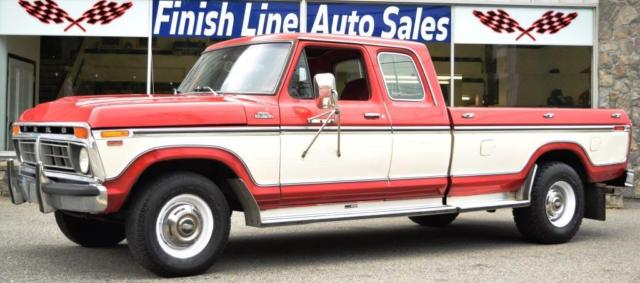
x=126, y=18
x=224, y=19
x=227, y=19
x=523, y=25
x=408, y=22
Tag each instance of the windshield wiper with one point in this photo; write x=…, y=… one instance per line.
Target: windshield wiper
x=205, y=88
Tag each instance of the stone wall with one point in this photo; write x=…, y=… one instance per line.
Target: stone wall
x=619, y=35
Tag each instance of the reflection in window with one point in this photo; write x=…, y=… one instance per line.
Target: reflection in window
x=400, y=76
x=441, y=58
x=523, y=76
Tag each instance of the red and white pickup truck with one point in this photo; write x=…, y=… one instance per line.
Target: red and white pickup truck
x=301, y=128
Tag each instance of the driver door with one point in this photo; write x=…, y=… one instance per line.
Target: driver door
x=322, y=176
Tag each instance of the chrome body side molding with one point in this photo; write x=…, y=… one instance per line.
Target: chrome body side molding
x=353, y=210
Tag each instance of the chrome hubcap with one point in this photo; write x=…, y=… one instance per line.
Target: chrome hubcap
x=560, y=203
x=184, y=226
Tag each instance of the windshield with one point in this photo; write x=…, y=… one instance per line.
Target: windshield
x=241, y=69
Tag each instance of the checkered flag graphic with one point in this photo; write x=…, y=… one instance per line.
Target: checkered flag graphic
x=102, y=12
x=551, y=22
x=46, y=11
x=500, y=21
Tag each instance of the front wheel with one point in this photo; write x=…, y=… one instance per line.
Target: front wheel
x=557, y=205
x=179, y=225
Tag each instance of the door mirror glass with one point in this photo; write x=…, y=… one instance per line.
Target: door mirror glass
x=324, y=86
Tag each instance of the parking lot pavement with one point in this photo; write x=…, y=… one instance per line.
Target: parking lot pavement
x=477, y=247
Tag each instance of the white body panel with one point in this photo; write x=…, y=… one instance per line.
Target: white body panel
x=259, y=151
x=365, y=155
x=420, y=154
x=503, y=151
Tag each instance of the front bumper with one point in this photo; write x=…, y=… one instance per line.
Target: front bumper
x=628, y=182
x=34, y=187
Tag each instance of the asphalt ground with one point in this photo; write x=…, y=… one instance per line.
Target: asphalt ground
x=477, y=247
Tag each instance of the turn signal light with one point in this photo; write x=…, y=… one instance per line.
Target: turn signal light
x=15, y=130
x=81, y=133
x=114, y=134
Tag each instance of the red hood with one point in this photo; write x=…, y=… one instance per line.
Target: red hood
x=126, y=111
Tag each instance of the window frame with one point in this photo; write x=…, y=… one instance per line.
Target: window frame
x=417, y=73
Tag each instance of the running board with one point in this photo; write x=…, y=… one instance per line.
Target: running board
x=486, y=202
x=356, y=210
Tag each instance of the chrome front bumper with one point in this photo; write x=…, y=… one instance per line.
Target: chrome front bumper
x=35, y=187
x=628, y=182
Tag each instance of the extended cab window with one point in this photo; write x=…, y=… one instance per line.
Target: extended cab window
x=400, y=76
x=346, y=65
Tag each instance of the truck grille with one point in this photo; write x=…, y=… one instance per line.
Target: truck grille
x=54, y=155
x=28, y=151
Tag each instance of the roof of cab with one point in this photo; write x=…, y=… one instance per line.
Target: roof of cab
x=315, y=37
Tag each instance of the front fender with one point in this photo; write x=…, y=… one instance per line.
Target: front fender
x=120, y=188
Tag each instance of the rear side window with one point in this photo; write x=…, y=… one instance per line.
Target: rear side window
x=400, y=76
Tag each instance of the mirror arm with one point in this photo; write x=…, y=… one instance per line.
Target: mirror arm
x=335, y=112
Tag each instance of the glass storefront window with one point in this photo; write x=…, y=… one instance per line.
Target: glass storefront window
x=91, y=65
x=441, y=57
x=523, y=76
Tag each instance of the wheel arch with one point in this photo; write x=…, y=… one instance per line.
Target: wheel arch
x=577, y=157
x=219, y=165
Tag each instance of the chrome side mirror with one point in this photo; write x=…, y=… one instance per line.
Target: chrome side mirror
x=324, y=87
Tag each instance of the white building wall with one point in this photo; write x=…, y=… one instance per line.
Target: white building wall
x=24, y=46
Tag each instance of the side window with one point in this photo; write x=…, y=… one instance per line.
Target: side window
x=400, y=76
x=347, y=65
x=346, y=71
x=301, y=85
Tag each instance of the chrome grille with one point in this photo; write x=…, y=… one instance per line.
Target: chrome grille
x=56, y=155
x=28, y=151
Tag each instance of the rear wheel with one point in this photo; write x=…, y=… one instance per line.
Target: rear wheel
x=557, y=205
x=179, y=225
x=439, y=220
x=90, y=233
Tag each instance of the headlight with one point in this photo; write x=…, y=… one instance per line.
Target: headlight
x=83, y=160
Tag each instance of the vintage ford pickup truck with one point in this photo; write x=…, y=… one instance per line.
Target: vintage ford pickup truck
x=301, y=128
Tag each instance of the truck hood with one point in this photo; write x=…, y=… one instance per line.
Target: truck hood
x=127, y=111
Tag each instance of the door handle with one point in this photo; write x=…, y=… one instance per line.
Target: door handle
x=317, y=121
x=371, y=115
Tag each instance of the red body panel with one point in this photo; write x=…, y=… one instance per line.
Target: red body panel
x=140, y=111
x=535, y=116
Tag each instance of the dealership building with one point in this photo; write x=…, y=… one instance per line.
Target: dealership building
x=491, y=53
